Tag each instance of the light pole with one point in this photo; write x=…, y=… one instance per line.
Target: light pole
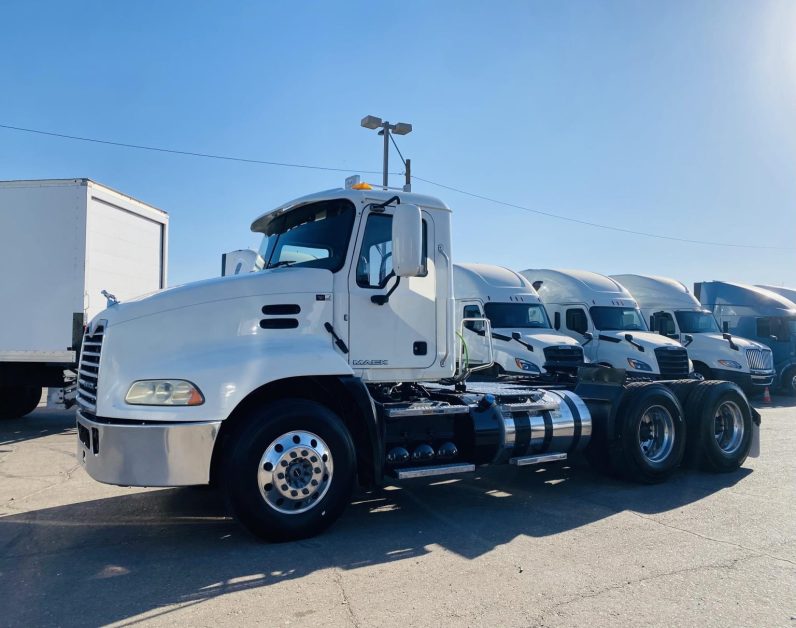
x=401, y=128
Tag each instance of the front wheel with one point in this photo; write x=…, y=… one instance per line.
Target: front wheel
x=789, y=381
x=289, y=473
x=650, y=438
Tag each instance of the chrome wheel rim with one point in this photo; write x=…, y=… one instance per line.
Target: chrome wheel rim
x=295, y=472
x=728, y=427
x=656, y=434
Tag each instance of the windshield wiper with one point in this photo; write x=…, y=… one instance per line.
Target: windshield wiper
x=284, y=262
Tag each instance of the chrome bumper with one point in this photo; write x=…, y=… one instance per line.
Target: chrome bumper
x=168, y=454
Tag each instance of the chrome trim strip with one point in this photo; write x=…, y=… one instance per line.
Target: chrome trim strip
x=426, y=410
x=523, y=461
x=425, y=472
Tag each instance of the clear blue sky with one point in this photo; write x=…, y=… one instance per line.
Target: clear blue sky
x=671, y=117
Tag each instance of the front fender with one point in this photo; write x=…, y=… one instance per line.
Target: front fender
x=225, y=372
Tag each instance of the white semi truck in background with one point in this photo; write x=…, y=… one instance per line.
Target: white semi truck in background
x=524, y=342
x=336, y=364
x=62, y=242
x=674, y=312
x=605, y=317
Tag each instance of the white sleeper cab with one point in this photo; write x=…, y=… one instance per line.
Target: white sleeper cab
x=673, y=311
x=605, y=317
x=524, y=342
x=337, y=363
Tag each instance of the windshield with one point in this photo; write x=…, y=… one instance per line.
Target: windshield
x=517, y=315
x=314, y=236
x=696, y=322
x=610, y=318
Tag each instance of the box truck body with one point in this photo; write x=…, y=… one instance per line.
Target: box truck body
x=62, y=242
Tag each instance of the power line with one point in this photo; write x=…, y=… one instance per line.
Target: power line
x=187, y=152
x=430, y=182
x=596, y=224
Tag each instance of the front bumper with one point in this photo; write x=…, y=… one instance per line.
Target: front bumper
x=151, y=454
x=747, y=381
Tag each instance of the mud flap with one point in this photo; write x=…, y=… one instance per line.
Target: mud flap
x=754, y=450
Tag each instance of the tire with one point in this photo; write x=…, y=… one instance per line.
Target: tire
x=650, y=434
x=321, y=464
x=719, y=422
x=789, y=381
x=18, y=401
x=682, y=389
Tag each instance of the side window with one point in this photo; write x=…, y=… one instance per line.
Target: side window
x=576, y=320
x=473, y=311
x=763, y=327
x=374, y=263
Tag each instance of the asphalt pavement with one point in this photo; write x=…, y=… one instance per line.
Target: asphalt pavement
x=559, y=546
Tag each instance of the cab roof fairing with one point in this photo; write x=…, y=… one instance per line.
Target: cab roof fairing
x=579, y=286
x=654, y=291
x=491, y=283
x=359, y=198
x=713, y=293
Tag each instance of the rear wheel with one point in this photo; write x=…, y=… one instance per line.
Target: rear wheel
x=719, y=427
x=289, y=472
x=650, y=436
x=17, y=401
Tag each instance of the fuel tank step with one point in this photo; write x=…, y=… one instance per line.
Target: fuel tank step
x=440, y=469
x=523, y=461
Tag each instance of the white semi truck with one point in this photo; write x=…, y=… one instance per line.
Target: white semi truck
x=674, y=312
x=602, y=314
x=335, y=364
x=62, y=242
x=524, y=342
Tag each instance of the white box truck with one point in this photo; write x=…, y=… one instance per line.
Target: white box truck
x=62, y=242
x=524, y=342
x=673, y=311
x=333, y=365
x=606, y=318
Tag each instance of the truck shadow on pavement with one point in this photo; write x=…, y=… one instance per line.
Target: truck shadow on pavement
x=43, y=422
x=131, y=556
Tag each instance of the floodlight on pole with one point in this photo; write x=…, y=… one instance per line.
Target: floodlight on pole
x=401, y=128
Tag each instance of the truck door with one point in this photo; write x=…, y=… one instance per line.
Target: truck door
x=663, y=323
x=399, y=332
x=472, y=332
x=576, y=323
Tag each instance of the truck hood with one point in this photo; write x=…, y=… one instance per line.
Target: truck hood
x=646, y=339
x=266, y=282
x=540, y=338
x=742, y=343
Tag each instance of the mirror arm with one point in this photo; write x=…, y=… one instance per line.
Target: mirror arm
x=382, y=299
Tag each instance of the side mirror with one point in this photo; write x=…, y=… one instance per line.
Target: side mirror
x=588, y=336
x=516, y=335
x=725, y=326
x=557, y=320
x=774, y=338
x=688, y=339
x=407, y=241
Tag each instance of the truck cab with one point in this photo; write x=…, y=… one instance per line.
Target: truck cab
x=673, y=311
x=524, y=342
x=601, y=314
x=760, y=314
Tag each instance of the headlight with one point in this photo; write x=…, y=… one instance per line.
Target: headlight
x=164, y=392
x=638, y=365
x=524, y=365
x=731, y=364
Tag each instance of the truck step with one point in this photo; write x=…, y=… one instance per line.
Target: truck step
x=442, y=469
x=429, y=408
x=522, y=461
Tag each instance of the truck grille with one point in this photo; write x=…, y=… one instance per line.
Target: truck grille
x=760, y=359
x=564, y=355
x=88, y=369
x=673, y=362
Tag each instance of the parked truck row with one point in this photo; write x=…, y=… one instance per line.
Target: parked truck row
x=347, y=359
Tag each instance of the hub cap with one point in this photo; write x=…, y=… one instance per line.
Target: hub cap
x=729, y=427
x=295, y=472
x=656, y=434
